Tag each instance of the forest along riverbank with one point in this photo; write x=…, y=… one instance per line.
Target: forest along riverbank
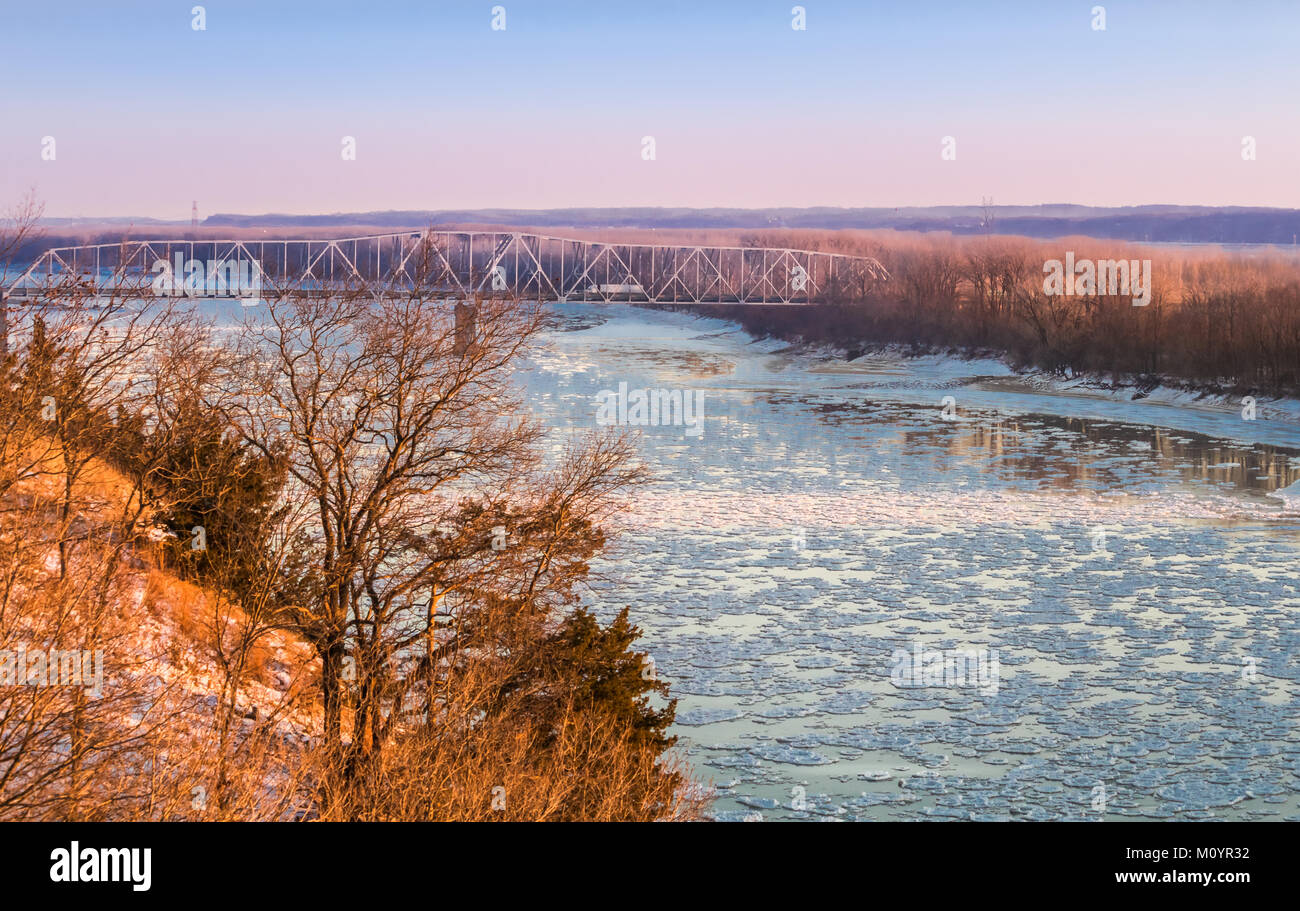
x=1121, y=573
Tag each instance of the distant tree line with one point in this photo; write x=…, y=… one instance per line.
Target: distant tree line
x=1220, y=320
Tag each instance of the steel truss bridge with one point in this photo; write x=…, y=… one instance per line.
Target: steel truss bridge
x=451, y=263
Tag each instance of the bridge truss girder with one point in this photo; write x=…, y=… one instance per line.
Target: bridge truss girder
x=467, y=263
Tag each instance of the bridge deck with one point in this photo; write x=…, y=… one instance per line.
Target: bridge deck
x=455, y=263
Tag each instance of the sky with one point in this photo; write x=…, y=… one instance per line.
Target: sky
x=147, y=114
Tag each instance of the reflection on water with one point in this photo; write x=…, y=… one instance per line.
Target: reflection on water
x=1138, y=586
x=1073, y=453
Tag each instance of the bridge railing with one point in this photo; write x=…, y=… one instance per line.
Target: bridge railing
x=455, y=263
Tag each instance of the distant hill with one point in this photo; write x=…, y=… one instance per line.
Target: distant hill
x=1167, y=224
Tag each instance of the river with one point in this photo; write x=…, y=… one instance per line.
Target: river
x=1117, y=576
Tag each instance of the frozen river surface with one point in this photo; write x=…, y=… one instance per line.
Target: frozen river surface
x=1120, y=574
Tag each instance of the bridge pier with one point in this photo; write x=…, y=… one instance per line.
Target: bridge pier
x=466, y=320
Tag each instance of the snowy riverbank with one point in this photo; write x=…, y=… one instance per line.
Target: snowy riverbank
x=993, y=382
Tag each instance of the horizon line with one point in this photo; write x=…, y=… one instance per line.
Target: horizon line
x=661, y=208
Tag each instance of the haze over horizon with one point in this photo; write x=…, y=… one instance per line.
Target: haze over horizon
x=551, y=112
x=359, y=217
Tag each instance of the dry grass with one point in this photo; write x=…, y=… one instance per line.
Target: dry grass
x=589, y=769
